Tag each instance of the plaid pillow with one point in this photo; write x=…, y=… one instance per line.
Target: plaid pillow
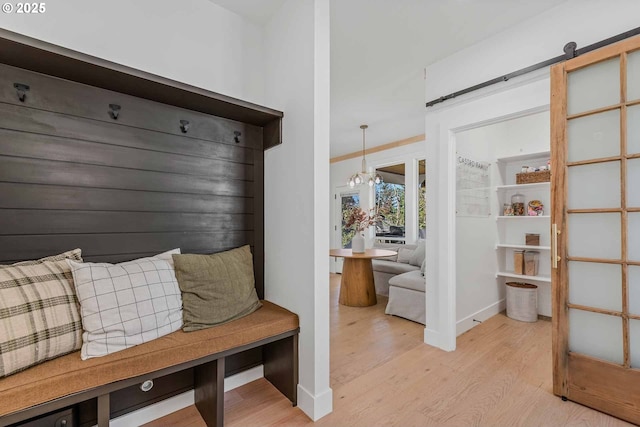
x=126, y=304
x=38, y=312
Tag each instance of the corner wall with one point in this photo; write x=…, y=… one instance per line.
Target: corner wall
x=297, y=187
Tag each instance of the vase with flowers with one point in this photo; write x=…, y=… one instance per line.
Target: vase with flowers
x=358, y=220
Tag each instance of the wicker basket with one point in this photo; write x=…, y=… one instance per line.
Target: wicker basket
x=533, y=177
x=522, y=301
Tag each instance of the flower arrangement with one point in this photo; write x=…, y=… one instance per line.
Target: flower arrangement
x=359, y=220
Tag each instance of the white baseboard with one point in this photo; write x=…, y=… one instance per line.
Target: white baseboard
x=175, y=403
x=468, y=322
x=317, y=406
x=437, y=339
x=244, y=377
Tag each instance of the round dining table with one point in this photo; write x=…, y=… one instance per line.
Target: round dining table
x=356, y=285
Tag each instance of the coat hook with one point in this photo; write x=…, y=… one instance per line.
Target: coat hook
x=22, y=90
x=114, y=111
x=236, y=137
x=184, y=126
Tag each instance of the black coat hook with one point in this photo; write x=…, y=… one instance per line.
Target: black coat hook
x=184, y=126
x=236, y=137
x=114, y=111
x=22, y=90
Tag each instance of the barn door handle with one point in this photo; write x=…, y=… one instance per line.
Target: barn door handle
x=554, y=245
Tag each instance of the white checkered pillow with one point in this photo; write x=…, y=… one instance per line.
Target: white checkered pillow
x=39, y=318
x=125, y=304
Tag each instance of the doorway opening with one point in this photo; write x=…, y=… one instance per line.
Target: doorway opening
x=493, y=240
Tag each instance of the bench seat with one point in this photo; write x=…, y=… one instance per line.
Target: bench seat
x=69, y=375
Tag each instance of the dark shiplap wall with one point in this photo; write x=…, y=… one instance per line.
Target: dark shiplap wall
x=71, y=176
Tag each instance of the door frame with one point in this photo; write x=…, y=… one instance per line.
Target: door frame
x=339, y=191
x=526, y=95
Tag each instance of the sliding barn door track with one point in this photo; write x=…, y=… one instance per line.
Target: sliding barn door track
x=570, y=51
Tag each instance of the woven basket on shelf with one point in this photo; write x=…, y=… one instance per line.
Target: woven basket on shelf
x=522, y=301
x=533, y=177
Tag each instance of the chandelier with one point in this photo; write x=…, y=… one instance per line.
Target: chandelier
x=365, y=175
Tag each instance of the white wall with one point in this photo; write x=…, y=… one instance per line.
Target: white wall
x=476, y=285
x=479, y=293
x=542, y=37
x=196, y=42
x=533, y=41
x=341, y=171
x=297, y=187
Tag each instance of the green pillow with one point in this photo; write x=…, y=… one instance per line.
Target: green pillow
x=216, y=288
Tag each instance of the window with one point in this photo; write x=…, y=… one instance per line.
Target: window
x=347, y=202
x=390, y=202
x=422, y=201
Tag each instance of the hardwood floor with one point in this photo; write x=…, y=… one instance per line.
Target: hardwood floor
x=382, y=374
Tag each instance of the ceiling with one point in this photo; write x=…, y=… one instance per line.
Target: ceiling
x=379, y=49
x=257, y=11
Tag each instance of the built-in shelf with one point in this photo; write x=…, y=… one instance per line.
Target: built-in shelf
x=526, y=247
x=546, y=279
x=534, y=186
x=522, y=217
x=527, y=156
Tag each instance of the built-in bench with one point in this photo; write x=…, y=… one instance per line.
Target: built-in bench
x=57, y=385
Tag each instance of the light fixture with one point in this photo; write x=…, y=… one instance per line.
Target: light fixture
x=365, y=175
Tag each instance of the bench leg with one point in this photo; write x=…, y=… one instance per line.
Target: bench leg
x=281, y=366
x=104, y=413
x=209, y=392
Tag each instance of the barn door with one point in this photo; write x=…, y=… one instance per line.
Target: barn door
x=595, y=121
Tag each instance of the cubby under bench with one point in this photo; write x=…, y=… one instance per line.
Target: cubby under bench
x=49, y=394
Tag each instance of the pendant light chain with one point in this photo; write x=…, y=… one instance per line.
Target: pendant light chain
x=363, y=176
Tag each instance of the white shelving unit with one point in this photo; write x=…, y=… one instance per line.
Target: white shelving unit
x=536, y=185
x=513, y=275
x=512, y=229
x=525, y=247
x=522, y=218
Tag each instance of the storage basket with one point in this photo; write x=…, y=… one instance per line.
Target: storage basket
x=522, y=301
x=533, y=177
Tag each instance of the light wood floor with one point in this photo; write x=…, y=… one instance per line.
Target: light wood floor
x=383, y=375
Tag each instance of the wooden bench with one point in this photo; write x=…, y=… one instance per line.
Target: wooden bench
x=59, y=384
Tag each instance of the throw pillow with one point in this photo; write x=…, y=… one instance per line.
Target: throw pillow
x=216, y=288
x=168, y=256
x=423, y=267
x=418, y=254
x=404, y=255
x=126, y=304
x=38, y=312
x=393, y=258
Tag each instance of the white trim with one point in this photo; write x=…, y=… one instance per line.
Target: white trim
x=181, y=401
x=435, y=339
x=315, y=407
x=525, y=97
x=244, y=377
x=467, y=323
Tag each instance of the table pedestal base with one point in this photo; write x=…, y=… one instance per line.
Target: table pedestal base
x=356, y=287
